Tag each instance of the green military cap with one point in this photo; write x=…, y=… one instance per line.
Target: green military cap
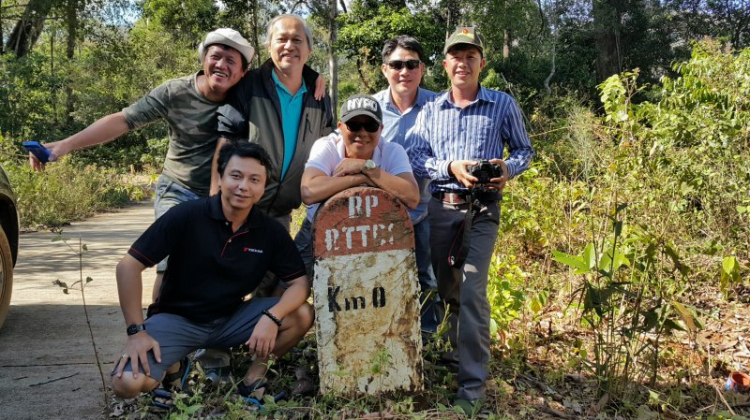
x=465, y=35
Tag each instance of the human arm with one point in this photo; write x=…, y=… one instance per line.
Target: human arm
x=130, y=291
x=317, y=186
x=313, y=78
x=402, y=185
x=520, y=151
x=101, y=131
x=460, y=170
x=424, y=161
x=263, y=338
x=214, y=189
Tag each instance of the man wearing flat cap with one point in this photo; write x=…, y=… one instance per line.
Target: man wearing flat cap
x=463, y=126
x=353, y=156
x=188, y=104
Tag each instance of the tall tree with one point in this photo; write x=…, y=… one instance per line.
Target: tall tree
x=29, y=27
x=364, y=30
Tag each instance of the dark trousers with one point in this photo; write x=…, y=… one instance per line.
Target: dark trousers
x=464, y=289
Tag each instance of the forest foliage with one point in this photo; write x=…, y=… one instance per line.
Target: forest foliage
x=639, y=110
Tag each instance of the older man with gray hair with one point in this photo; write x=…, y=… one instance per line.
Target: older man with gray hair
x=275, y=108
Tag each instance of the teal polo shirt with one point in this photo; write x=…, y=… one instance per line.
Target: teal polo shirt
x=291, y=113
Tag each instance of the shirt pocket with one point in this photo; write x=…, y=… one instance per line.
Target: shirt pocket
x=483, y=135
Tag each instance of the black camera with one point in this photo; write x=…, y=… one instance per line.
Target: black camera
x=484, y=171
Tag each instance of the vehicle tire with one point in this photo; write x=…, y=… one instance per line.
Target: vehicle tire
x=6, y=276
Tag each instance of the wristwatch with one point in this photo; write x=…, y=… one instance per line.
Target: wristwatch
x=133, y=329
x=369, y=165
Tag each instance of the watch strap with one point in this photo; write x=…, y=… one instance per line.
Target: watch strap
x=134, y=329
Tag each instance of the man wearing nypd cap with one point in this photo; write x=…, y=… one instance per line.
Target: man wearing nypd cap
x=464, y=125
x=353, y=155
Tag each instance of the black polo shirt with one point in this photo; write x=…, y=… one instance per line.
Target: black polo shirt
x=210, y=267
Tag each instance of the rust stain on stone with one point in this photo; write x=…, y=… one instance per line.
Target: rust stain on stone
x=362, y=219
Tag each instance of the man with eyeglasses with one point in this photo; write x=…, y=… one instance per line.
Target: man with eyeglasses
x=464, y=125
x=403, y=67
x=350, y=157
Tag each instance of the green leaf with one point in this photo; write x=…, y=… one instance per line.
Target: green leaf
x=728, y=264
x=589, y=256
x=686, y=315
x=653, y=397
x=65, y=291
x=670, y=325
x=570, y=261
x=89, y=279
x=84, y=247
x=730, y=272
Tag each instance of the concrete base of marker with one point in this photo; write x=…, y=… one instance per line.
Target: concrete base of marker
x=366, y=295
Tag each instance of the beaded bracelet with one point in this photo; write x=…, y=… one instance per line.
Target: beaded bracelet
x=275, y=320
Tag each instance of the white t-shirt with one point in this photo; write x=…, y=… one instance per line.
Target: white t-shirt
x=328, y=152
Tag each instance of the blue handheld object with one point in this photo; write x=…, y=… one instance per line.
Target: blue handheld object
x=40, y=152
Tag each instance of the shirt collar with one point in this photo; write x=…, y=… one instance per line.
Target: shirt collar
x=216, y=213
x=482, y=95
x=419, y=102
x=281, y=86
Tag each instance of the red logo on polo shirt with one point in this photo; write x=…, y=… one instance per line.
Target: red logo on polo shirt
x=256, y=251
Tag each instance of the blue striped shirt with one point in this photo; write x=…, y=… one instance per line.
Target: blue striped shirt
x=396, y=126
x=444, y=133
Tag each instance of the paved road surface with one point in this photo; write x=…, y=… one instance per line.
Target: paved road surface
x=47, y=364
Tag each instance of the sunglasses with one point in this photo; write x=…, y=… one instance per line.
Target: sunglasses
x=370, y=126
x=399, y=64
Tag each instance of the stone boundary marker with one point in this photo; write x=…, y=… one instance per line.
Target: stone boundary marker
x=366, y=294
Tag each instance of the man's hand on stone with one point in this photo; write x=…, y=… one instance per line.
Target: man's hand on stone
x=263, y=338
x=349, y=167
x=136, y=351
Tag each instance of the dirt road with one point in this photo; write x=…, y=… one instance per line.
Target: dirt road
x=47, y=364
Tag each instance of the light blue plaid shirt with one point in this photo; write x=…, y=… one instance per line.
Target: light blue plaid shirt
x=396, y=126
x=444, y=132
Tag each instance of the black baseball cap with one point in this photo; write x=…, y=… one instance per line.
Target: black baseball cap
x=358, y=105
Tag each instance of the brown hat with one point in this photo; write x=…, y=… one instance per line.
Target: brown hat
x=465, y=35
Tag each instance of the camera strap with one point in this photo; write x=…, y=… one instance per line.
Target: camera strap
x=458, y=258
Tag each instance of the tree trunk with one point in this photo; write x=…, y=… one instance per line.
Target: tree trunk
x=254, y=39
x=506, y=44
x=333, y=61
x=27, y=30
x=607, y=15
x=71, y=19
x=2, y=47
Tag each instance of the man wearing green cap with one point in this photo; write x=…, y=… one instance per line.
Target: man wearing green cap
x=463, y=126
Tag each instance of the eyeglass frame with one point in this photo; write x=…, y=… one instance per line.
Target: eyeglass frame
x=372, y=123
x=400, y=64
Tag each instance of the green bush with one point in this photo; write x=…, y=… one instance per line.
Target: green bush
x=64, y=191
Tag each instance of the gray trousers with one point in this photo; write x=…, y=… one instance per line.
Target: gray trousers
x=464, y=289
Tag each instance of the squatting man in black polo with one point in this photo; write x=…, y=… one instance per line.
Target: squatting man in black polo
x=219, y=249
